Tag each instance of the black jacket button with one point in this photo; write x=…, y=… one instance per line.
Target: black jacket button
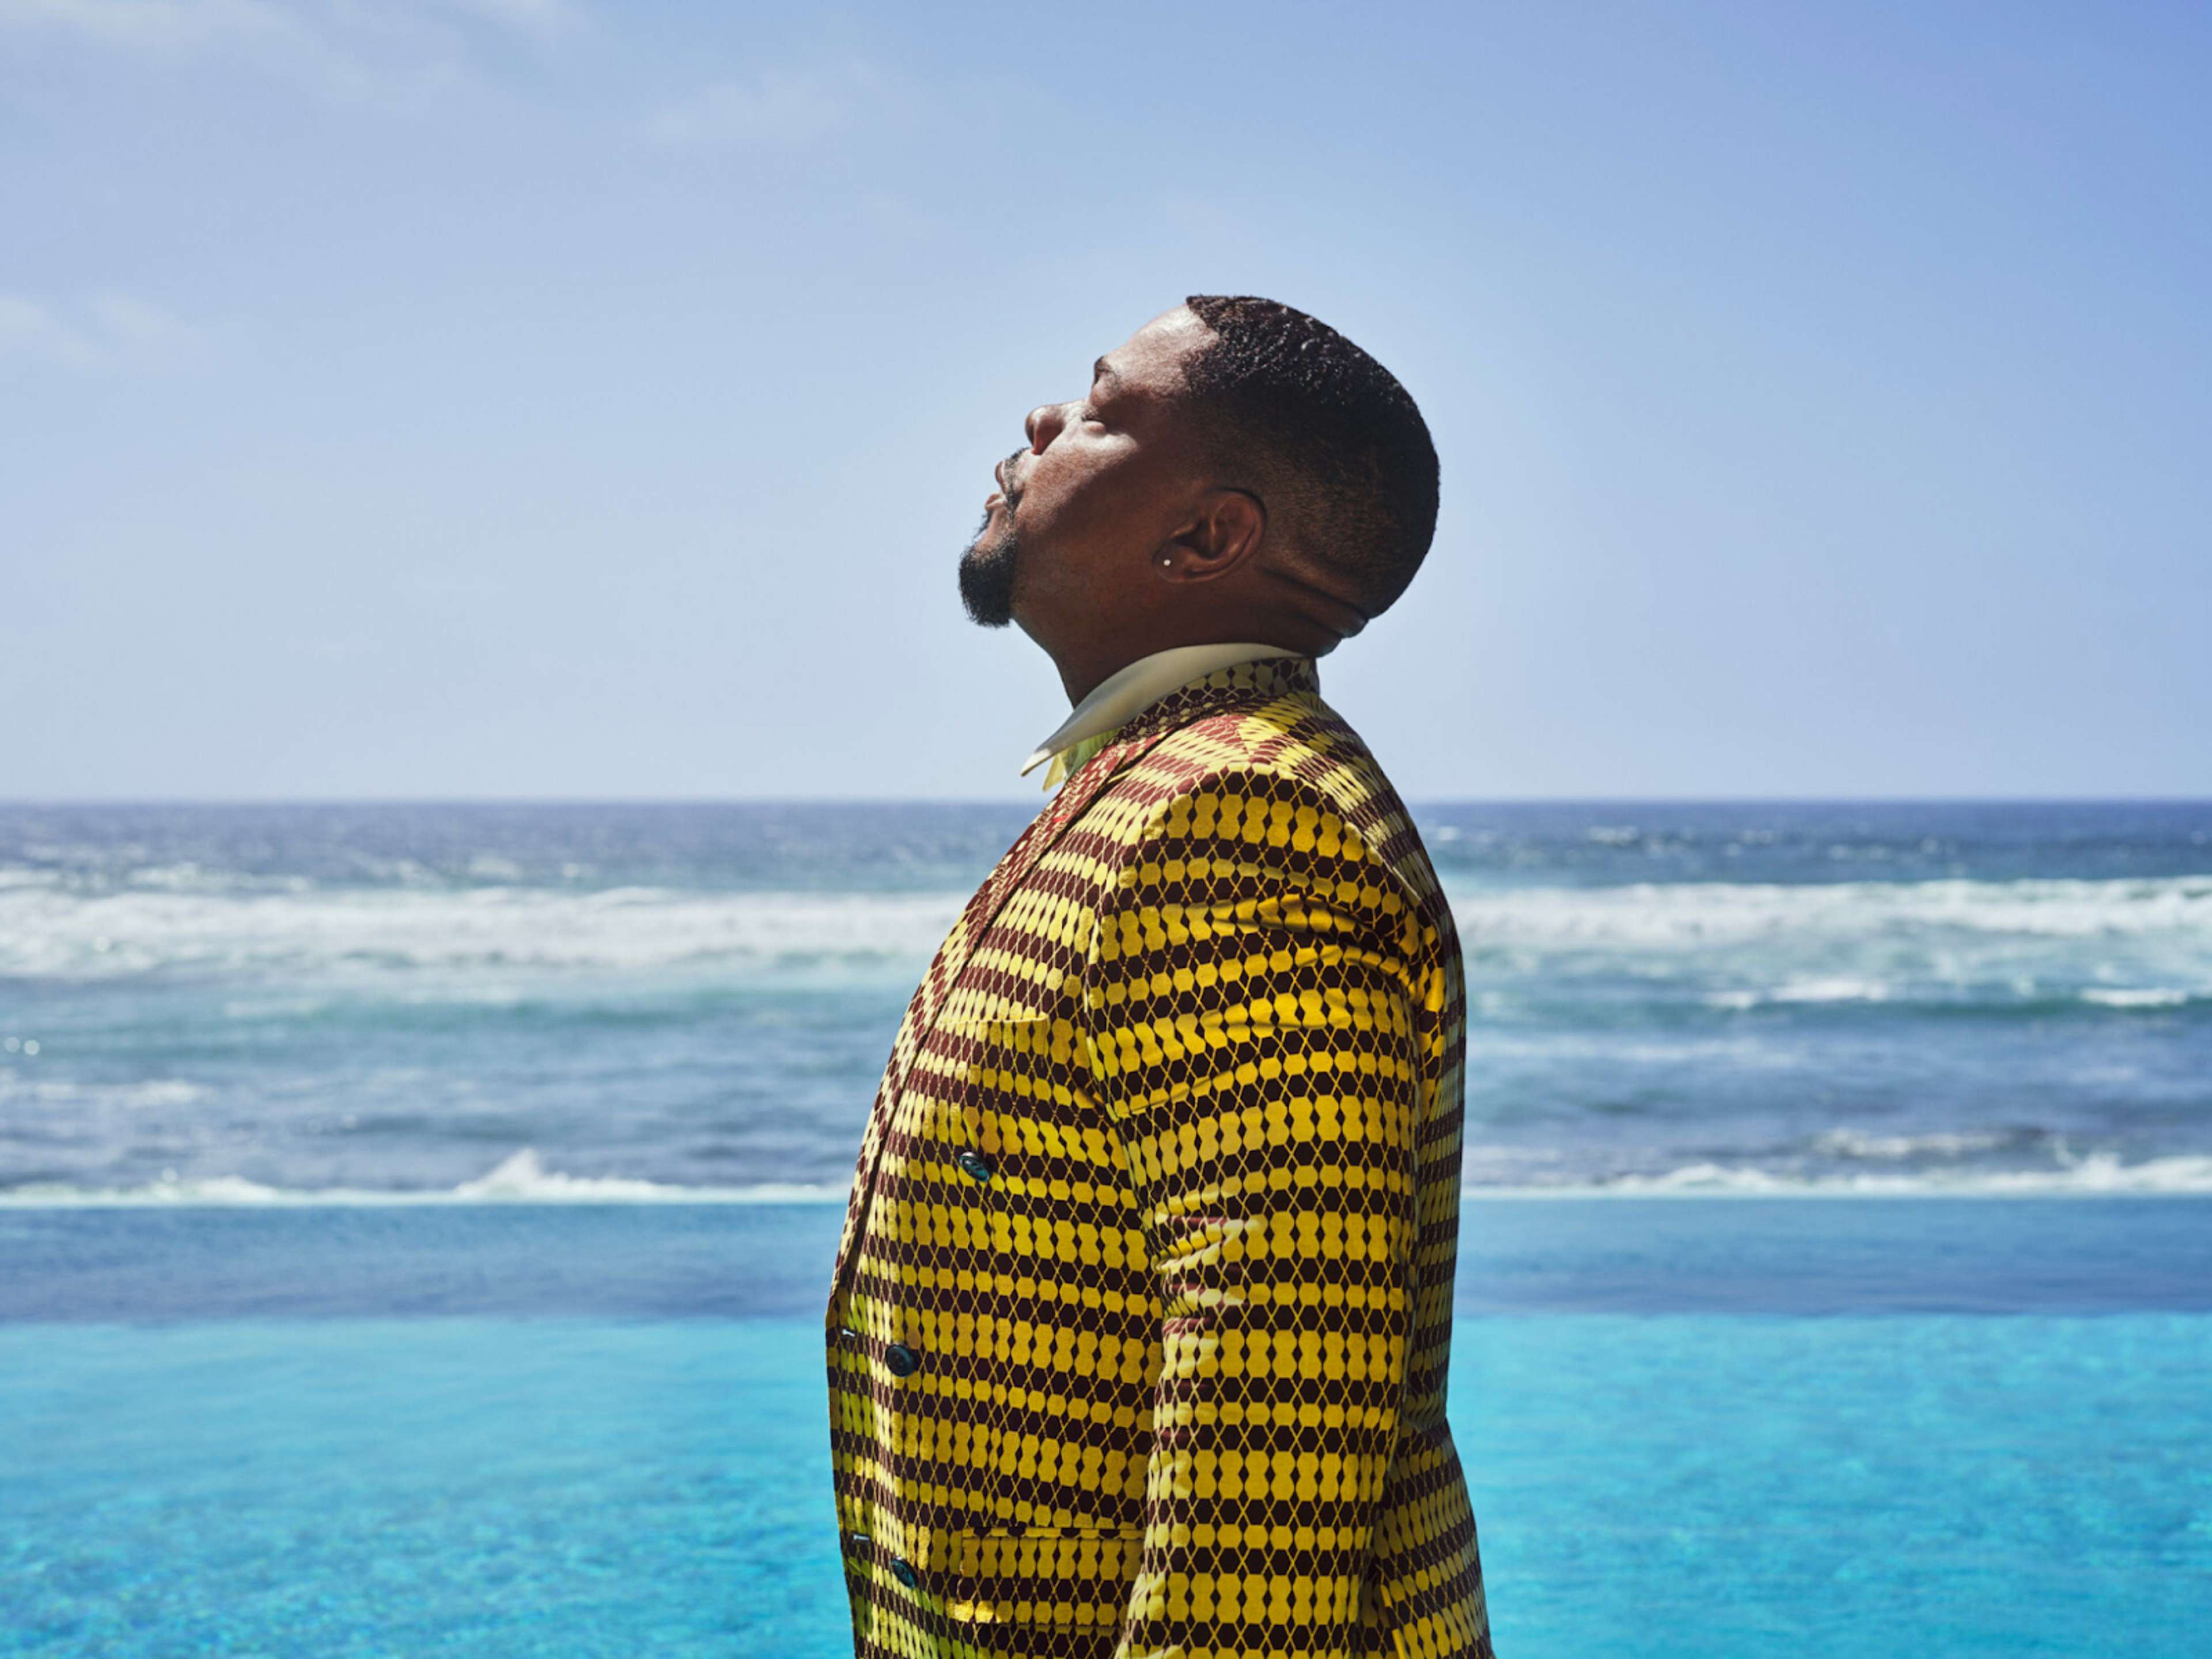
x=905, y=1574
x=974, y=1166
x=902, y=1360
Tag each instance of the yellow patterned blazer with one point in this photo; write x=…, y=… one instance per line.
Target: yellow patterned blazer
x=1138, y=1338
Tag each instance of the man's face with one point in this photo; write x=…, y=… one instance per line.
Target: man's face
x=1103, y=481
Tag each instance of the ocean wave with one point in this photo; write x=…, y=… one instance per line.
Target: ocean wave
x=1852, y=941
x=1666, y=915
x=2095, y=1175
x=1831, y=988
x=520, y=1178
x=1935, y=996
x=2148, y=997
x=146, y=1094
x=1996, y=1160
x=1858, y=1144
x=58, y=936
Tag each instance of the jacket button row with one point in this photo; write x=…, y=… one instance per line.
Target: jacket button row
x=974, y=1166
x=902, y=1360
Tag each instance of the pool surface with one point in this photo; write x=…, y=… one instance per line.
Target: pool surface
x=1694, y=1427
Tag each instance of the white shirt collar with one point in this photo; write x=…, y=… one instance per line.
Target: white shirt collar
x=1128, y=691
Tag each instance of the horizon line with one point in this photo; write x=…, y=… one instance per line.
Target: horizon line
x=2122, y=799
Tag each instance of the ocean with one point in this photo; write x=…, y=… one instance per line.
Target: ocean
x=415, y=1222
x=273, y=1004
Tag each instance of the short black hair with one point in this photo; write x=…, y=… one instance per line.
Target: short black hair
x=1331, y=439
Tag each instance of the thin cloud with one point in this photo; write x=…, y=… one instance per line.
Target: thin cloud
x=109, y=331
x=529, y=16
x=165, y=24
x=154, y=25
x=776, y=109
x=397, y=48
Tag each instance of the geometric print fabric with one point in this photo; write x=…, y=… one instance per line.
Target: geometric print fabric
x=1141, y=1318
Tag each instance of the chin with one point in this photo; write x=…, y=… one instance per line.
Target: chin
x=987, y=577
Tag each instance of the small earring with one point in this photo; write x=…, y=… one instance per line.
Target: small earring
x=1166, y=562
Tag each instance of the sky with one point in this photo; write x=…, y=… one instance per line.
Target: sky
x=541, y=399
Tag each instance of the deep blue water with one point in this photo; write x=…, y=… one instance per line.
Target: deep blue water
x=165, y=1264
x=249, y=1003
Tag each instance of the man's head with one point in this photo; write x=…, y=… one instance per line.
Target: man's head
x=1237, y=471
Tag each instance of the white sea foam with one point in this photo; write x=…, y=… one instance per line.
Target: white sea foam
x=149, y=1093
x=1663, y=915
x=1833, y=988
x=520, y=1178
x=2097, y=1174
x=45, y=934
x=2156, y=929
x=2153, y=997
x=1853, y=1143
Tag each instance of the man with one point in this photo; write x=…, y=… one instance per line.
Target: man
x=1141, y=1313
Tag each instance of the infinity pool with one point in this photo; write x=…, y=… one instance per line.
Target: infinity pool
x=1709, y=1428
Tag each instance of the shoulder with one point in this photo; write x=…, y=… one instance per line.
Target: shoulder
x=1284, y=798
x=1242, y=804
x=1290, y=775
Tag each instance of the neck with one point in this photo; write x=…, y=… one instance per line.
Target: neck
x=1085, y=664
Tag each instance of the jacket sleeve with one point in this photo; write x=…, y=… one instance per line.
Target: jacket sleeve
x=1251, y=1004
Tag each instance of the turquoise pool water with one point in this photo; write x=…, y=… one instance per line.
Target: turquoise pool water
x=1837, y=1427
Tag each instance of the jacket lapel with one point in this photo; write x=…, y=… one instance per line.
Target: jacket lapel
x=1247, y=684
x=1081, y=788
x=1243, y=684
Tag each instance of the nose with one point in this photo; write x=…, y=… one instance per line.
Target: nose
x=1046, y=422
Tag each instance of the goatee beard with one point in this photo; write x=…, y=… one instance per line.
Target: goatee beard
x=987, y=576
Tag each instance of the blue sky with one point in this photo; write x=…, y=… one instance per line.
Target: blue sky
x=521, y=398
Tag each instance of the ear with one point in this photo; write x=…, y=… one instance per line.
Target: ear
x=1224, y=529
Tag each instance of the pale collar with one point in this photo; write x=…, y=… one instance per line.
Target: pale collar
x=1128, y=691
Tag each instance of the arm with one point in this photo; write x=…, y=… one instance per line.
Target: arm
x=1251, y=1004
